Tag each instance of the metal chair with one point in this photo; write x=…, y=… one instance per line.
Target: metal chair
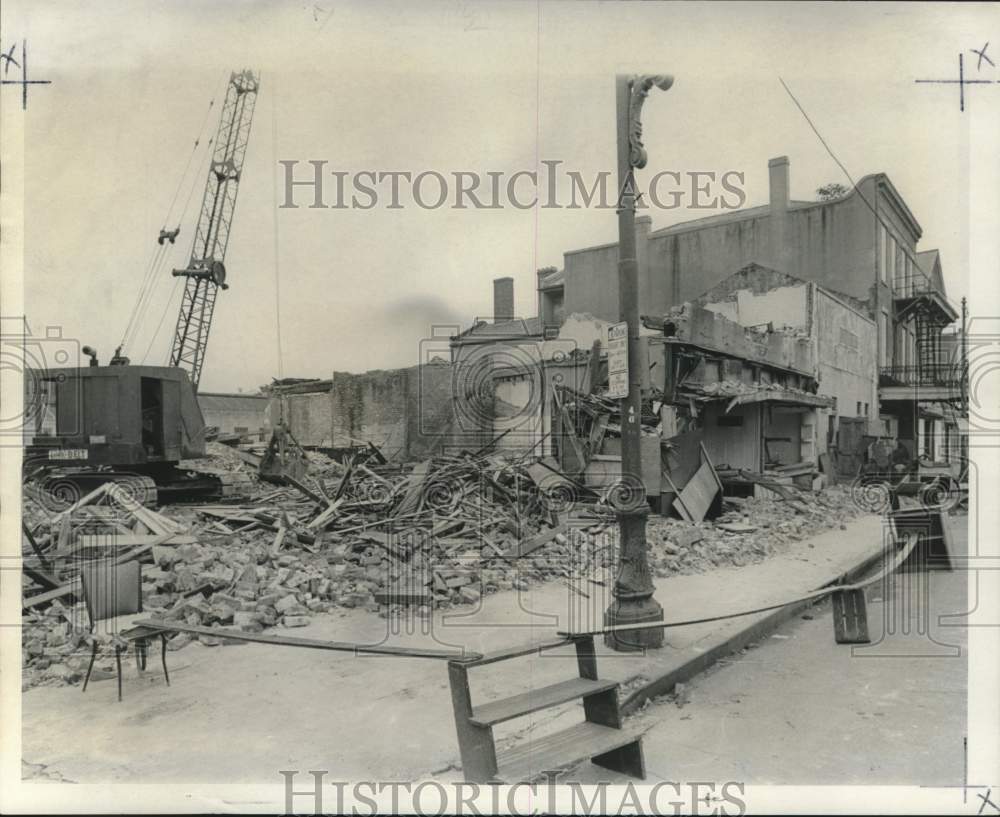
x=112, y=590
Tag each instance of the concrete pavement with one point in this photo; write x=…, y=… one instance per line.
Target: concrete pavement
x=798, y=708
x=242, y=713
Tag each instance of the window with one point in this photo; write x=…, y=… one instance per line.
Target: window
x=857, y=411
x=866, y=410
x=883, y=250
x=731, y=420
x=890, y=258
x=883, y=336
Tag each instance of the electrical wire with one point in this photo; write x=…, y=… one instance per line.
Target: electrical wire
x=843, y=169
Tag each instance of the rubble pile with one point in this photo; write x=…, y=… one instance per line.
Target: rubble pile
x=440, y=534
x=748, y=533
x=380, y=538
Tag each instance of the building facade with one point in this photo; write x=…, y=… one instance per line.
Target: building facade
x=859, y=249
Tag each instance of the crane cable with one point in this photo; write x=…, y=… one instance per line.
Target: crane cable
x=159, y=254
x=163, y=315
x=140, y=318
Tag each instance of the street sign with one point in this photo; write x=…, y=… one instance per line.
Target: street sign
x=618, y=360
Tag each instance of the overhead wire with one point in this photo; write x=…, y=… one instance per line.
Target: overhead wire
x=840, y=164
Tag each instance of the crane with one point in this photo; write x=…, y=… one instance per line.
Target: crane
x=206, y=271
x=133, y=425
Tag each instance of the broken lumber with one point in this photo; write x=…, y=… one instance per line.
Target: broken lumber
x=535, y=542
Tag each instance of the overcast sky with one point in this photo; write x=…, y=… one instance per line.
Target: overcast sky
x=447, y=87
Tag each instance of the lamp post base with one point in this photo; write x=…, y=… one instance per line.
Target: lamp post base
x=633, y=611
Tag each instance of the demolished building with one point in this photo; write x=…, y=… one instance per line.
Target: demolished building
x=859, y=248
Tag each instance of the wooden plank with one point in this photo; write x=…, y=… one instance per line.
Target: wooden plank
x=40, y=577
x=597, y=431
x=306, y=643
x=574, y=458
x=132, y=540
x=327, y=515
x=93, y=496
x=708, y=459
x=533, y=758
x=156, y=522
x=537, y=699
x=678, y=501
x=475, y=743
x=33, y=543
x=700, y=492
x=414, y=491
x=541, y=539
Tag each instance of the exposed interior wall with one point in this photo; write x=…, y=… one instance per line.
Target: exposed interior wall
x=846, y=348
x=710, y=329
x=308, y=416
x=407, y=413
x=228, y=422
x=844, y=338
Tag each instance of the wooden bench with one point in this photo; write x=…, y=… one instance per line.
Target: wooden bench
x=599, y=737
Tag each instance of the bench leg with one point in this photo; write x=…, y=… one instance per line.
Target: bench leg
x=475, y=743
x=90, y=669
x=627, y=759
x=850, y=617
x=163, y=656
x=118, y=661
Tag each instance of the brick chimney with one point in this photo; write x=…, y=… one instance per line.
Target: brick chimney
x=503, y=299
x=779, y=197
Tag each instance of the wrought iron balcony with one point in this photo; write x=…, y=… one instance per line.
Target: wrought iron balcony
x=948, y=374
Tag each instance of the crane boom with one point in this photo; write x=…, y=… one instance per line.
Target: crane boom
x=206, y=270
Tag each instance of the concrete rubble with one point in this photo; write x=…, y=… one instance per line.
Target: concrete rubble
x=388, y=539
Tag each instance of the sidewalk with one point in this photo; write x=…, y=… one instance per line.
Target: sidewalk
x=243, y=713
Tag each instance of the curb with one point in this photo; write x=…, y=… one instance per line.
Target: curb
x=697, y=664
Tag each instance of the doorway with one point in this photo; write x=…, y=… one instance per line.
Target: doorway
x=151, y=406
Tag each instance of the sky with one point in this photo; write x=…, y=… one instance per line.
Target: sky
x=445, y=87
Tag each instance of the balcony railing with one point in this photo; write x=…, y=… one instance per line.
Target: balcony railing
x=947, y=374
x=915, y=283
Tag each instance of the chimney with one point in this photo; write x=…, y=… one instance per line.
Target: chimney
x=779, y=197
x=503, y=299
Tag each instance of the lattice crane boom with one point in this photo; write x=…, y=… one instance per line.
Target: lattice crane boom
x=206, y=271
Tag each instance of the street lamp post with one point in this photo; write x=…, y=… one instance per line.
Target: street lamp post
x=633, y=591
